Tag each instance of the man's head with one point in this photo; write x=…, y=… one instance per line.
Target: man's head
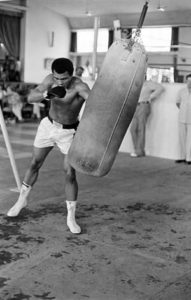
x=62, y=70
x=188, y=80
x=79, y=71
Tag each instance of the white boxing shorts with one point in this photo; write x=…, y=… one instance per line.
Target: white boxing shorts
x=51, y=133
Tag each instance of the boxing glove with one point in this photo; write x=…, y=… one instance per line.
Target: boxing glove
x=57, y=91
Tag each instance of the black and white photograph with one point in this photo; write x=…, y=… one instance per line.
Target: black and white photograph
x=95, y=150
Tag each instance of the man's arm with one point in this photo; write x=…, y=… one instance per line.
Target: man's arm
x=37, y=95
x=157, y=90
x=83, y=90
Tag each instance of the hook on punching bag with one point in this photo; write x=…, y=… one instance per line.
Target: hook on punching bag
x=143, y=14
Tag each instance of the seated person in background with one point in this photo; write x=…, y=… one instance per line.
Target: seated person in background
x=36, y=114
x=2, y=96
x=6, y=66
x=14, y=103
x=13, y=74
x=149, y=92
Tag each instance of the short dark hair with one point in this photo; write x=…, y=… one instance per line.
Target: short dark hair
x=62, y=65
x=188, y=76
x=80, y=68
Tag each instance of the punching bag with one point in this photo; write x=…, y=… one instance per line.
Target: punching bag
x=109, y=109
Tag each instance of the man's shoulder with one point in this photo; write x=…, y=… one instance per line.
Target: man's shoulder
x=78, y=83
x=183, y=90
x=46, y=83
x=76, y=80
x=49, y=79
x=182, y=93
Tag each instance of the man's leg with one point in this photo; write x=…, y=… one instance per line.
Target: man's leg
x=17, y=111
x=142, y=121
x=71, y=190
x=141, y=139
x=188, y=144
x=133, y=131
x=182, y=138
x=31, y=175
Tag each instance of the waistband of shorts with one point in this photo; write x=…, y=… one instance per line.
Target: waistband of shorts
x=65, y=126
x=143, y=102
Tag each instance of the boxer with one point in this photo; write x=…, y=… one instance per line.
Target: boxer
x=66, y=94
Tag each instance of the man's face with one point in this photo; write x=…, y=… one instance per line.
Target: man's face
x=79, y=72
x=62, y=79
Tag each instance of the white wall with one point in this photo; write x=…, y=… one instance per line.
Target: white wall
x=40, y=21
x=162, y=138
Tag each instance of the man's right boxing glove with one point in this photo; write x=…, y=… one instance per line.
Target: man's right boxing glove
x=56, y=92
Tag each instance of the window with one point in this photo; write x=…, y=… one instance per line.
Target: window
x=85, y=40
x=156, y=39
x=161, y=74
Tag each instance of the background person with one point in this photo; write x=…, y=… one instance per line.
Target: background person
x=14, y=103
x=36, y=112
x=149, y=92
x=2, y=95
x=79, y=71
x=183, y=102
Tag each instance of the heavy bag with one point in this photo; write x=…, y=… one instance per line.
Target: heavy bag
x=109, y=109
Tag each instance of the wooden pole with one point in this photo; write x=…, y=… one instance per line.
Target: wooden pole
x=9, y=150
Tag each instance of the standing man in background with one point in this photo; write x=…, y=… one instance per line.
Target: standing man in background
x=150, y=91
x=183, y=102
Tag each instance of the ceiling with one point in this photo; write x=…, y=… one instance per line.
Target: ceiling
x=177, y=12
x=78, y=8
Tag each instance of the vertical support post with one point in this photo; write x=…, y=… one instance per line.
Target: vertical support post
x=117, y=29
x=94, y=56
x=9, y=150
x=175, y=68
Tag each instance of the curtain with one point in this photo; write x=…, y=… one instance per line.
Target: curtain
x=10, y=34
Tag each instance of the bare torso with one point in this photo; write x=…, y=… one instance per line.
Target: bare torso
x=63, y=110
x=66, y=110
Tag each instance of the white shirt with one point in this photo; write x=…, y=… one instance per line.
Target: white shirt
x=184, y=99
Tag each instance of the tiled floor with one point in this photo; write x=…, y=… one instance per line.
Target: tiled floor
x=136, y=237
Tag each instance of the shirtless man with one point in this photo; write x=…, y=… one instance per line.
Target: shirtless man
x=57, y=128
